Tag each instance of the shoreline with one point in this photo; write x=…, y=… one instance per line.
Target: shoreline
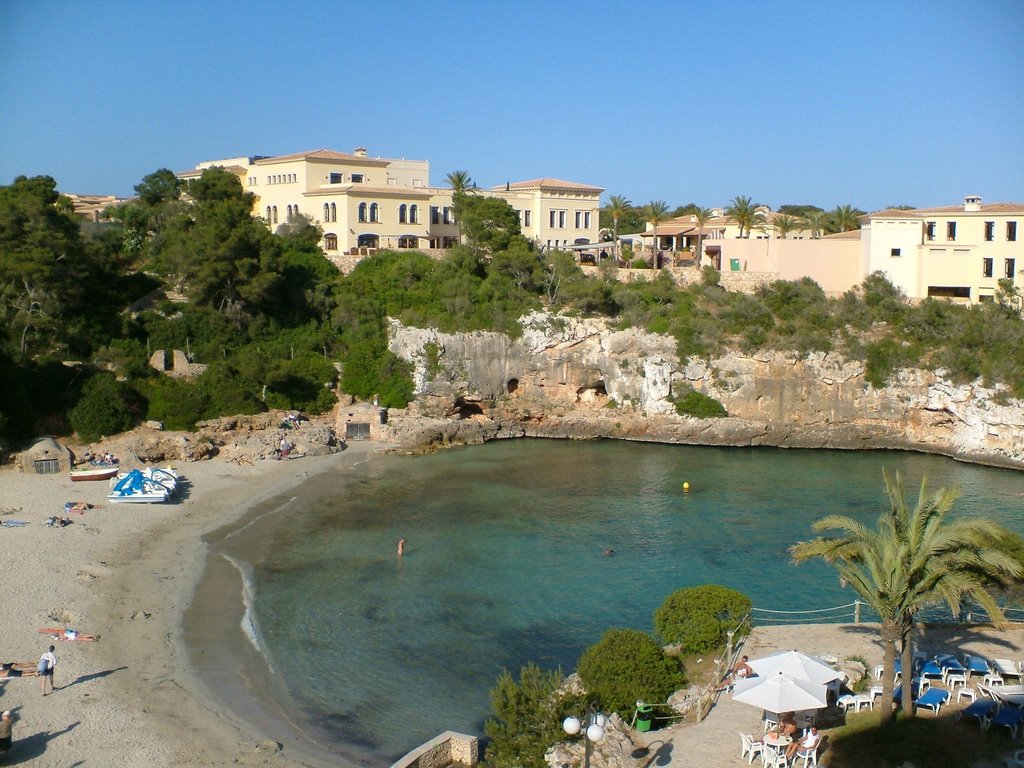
x=128, y=573
x=149, y=693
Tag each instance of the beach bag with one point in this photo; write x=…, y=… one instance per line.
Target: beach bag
x=44, y=666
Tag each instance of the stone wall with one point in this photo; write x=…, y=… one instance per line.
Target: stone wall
x=449, y=748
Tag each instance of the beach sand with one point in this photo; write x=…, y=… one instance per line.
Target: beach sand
x=139, y=697
x=127, y=572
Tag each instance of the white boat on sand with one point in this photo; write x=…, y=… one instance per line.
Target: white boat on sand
x=144, y=486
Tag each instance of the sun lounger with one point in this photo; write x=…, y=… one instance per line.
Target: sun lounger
x=976, y=665
x=982, y=709
x=932, y=699
x=1006, y=668
x=1011, y=717
x=932, y=669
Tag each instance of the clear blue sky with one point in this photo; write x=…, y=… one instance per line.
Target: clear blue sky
x=866, y=103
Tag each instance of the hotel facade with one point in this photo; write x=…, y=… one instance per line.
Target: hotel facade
x=956, y=252
x=364, y=203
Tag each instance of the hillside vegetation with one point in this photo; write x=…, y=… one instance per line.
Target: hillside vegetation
x=274, y=321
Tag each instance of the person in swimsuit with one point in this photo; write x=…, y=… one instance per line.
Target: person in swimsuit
x=741, y=671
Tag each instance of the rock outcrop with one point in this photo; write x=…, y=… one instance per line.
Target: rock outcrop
x=579, y=379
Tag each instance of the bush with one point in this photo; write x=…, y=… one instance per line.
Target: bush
x=710, y=276
x=700, y=406
x=177, y=403
x=626, y=666
x=528, y=717
x=697, y=618
x=102, y=410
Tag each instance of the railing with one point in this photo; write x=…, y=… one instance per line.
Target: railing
x=858, y=611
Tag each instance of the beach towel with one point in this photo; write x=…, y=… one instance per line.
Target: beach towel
x=13, y=523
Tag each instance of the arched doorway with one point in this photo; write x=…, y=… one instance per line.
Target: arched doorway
x=368, y=241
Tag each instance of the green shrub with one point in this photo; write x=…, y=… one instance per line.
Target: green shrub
x=177, y=403
x=699, y=405
x=102, y=410
x=528, y=717
x=628, y=665
x=710, y=276
x=697, y=618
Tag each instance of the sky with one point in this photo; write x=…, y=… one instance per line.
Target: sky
x=828, y=103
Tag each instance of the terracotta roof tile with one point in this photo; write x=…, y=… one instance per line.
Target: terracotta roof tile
x=548, y=183
x=323, y=154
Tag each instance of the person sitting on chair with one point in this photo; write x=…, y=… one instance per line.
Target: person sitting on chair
x=741, y=671
x=807, y=743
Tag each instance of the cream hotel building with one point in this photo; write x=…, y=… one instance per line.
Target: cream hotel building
x=363, y=203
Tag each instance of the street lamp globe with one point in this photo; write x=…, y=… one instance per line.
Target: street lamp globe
x=595, y=732
x=571, y=725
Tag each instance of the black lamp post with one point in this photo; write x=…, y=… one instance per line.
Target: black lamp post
x=593, y=725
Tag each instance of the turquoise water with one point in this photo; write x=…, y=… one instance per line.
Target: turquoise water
x=505, y=563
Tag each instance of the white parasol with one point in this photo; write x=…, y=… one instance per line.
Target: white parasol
x=797, y=665
x=780, y=693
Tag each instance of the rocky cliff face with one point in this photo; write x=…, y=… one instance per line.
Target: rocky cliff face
x=578, y=379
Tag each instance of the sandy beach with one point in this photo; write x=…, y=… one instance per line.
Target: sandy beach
x=130, y=572
x=126, y=572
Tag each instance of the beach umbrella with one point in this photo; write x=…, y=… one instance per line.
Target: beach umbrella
x=797, y=665
x=780, y=693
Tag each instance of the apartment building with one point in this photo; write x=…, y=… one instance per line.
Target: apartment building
x=957, y=252
x=364, y=203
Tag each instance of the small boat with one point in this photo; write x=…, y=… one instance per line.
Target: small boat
x=94, y=471
x=144, y=486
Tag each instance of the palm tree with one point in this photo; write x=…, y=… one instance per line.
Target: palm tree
x=784, y=224
x=844, y=218
x=618, y=206
x=816, y=222
x=460, y=182
x=702, y=216
x=655, y=212
x=743, y=211
x=912, y=559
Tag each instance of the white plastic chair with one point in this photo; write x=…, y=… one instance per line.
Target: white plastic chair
x=750, y=748
x=809, y=755
x=992, y=679
x=770, y=721
x=773, y=759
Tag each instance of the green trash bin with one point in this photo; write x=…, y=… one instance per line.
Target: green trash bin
x=644, y=716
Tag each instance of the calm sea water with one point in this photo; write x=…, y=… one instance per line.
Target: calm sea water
x=505, y=563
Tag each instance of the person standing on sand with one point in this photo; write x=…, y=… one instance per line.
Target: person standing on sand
x=47, y=665
x=6, y=726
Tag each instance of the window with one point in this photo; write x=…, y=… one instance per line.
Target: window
x=894, y=251
x=327, y=212
x=446, y=215
x=986, y=267
x=990, y=231
x=407, y=241
x=579, y=219
x=561, y=219
x=336, y=178
x=1011, y=231
x=929, y=230
x=274, y=209
x=357, y=178
x=526, y=218
x=551, y=219
x=586, y=219
x=986, y=298
x=289, y=214
x=1009, y=268
x=951, y=230
x=331, y=241
x=949, y=291
x=401, y=213
x=374, y=212
x=334, y=212
x=414, y=214
x=362, y=211
x=435, y=215
x=269, y=215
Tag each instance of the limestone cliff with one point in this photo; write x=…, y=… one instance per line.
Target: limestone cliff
x=580, y=378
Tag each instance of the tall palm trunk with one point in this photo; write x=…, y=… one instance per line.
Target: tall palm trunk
x=907, y=670
x=890, y=633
